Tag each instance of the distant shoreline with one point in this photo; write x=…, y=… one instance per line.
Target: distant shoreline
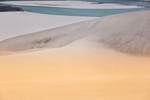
x=72, y=4
x=9, y=8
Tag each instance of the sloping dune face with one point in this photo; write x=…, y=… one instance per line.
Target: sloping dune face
x=125, y=32
x=82, y=69
x=20, y=23
x=78, y=71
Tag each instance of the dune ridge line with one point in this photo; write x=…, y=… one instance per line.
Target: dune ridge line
x=128, y=32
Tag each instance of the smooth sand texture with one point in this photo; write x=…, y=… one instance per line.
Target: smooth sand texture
x=71, y=4
x=82, y=69
x=18, y=23
x=79, y=71
x=127, y=32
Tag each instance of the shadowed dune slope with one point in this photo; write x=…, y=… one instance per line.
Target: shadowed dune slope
x=82, y=69
x=127, y=32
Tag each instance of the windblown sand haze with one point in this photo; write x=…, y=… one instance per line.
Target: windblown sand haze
x=99, y=59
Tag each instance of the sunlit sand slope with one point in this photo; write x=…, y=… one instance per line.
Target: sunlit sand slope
x=19, y=23
x=127, y=32
x=79, y=71
x=82, y=67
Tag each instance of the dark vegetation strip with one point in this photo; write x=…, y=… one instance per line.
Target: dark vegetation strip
x=10, y=8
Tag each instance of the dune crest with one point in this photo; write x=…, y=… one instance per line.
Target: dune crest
x=127, y=32
x=82, y=69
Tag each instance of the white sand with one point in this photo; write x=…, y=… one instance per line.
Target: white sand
x=124, y=32
x=71, y=4
x=18, y=23
x=83, y=69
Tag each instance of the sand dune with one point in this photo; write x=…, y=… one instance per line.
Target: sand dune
x=78, y=71
x=18, y=23
x=83, y=68
x=124, y=32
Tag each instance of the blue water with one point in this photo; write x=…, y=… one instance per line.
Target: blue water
x=78, y=12
x=89, y=12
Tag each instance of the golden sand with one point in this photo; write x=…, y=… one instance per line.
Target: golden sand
x=80, y=68
x=84, y=73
